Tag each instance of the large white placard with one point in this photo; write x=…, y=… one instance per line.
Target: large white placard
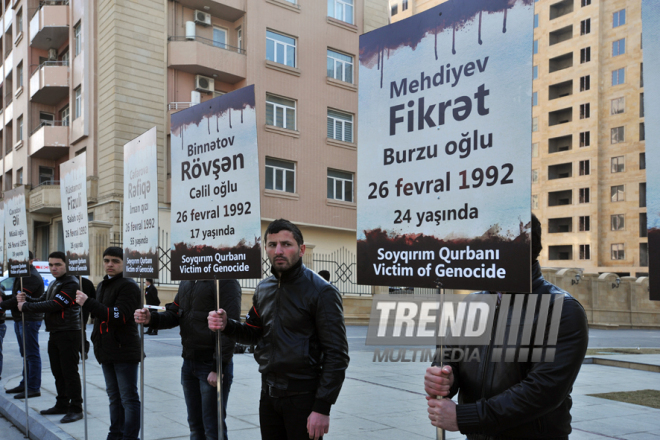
x=141, y=206
x=216, y=220
x=73, y=190
x=16, y=233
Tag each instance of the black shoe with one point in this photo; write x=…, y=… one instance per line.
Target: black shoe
x=54, y=410
x=18, y=389
x=30, y=394
x=72, y=417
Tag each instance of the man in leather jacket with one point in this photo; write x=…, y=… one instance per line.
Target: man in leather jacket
x=297, y=324
x=192, y=304
x=62, y=319
x=509, y=400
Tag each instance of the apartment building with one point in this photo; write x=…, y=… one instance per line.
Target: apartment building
x=80, y=75
x=588, y=163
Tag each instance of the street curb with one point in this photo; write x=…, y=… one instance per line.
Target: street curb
x=40, y=427
x=621, y=364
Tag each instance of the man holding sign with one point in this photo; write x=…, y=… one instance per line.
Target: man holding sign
x=297, y=322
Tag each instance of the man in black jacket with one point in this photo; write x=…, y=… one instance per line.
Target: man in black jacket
x=62, y=318
x=297, y=322
x=117, y=343
x=514, y=399
x=33, y=287
x=194, y=300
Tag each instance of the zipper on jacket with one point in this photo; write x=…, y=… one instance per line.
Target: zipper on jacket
x=488, y=349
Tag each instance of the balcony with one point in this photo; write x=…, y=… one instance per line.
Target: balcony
x=49, y=26
x=559, y=144
x=560, y=171
x=45, y=198
x=563, y=116
x=561, y=62
x=230, y=10
x=561, y=35
x=201, y=56
x=559, y=225
x=50, y=140
x=49, y=83
x=174, y=107
x=561, y=8
x=560, y=90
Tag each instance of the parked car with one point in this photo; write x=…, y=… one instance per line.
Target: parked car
x=7, y=283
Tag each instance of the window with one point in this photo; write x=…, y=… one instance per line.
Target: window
x=46, y=119
x=280, y=175
x=64, y=116
x=535, y=72
x=343, y=10
x=535, y=124
x=535, y=201
x=617, y=135
x=280, y=49
x=585, y=223
x=404, y=5
x=585, y=252
x=642, y=161
x=585, y=111
x=280, y=112
x=19, y=176
x=19, y=21
x=77, y=104
x=585, y=55
x=586, y=3
x=619, y=47
x=585, y=83
x=642, y=132
x=643, y=231
x=65, y=57
x=535, y=149
x=585, y=167
x=46, y=175
x=585, y=139
x=395, y=9
x=617, y=222
x=617, y=193
x=535, y=99
x=19, y=129
x=19, y=75
x=535, y=176
x=340, y=185
x=617, y=251
x=239, y=38
x=641, y=105
x=618, y=165
x=219, y=37
x=617, y=106
x=642, y=195
x=585, y=26
x=340, y=126
x=536, y=21
x=584, y=195
x=618, y=76
x=641, y=74
x=340, y=66
x=536, y=47
x=619, y=18
x=77, y=38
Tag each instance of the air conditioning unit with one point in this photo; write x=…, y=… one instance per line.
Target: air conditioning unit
x=203, y=18
x=204, y=83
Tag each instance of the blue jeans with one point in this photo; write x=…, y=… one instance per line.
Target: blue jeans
x=33, y=357
x=3, y=331
x=202, y=398
x=121, y=383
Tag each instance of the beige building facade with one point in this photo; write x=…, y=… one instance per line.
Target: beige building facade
x=588, y=163
x=81, y=75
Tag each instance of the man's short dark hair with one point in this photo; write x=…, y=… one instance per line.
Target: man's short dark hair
x=58, y=254
x=150, y=280
x=536, y=238
x=30, y=255
x=114, y=251
x=284, y=225
x=325, y=275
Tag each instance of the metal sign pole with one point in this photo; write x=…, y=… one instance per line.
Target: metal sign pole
x=25, y=371
x=82, y=356
x=141, y=363
x=219, y=360
x=440, y=433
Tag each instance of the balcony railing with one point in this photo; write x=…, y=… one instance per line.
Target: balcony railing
x=47, y=183
x=50, y=3
x=9, y=98
x=179, y=105
x=45, y=123
x=35, y=67
x=209, y=42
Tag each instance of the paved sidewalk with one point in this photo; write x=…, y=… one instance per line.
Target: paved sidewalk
x=378, y=400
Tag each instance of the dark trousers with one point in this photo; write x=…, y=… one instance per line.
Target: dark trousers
x=121, y=384
x=33, y=357
x=285, y=418
x=3, y=330
x=202, y=398
x=63, y=352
